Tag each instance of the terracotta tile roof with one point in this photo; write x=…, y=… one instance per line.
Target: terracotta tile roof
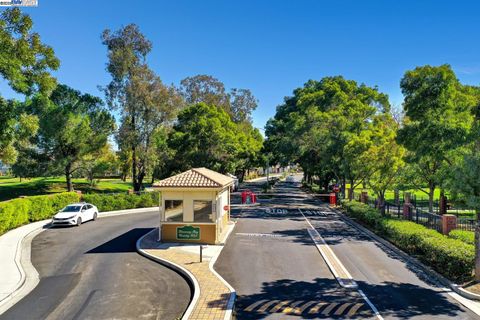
x=195, y=178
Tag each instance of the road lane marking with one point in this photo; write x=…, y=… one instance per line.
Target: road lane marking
x=254, y=305
x=267, y=305
x=341, y=309
x=329, y=309
x=260, y=235
x=280, y=305
x=317, y=307
x=332, y=261
x=292, y=308
x=304, y=307
x=336, y=267
x=354, y=309
x=372, y=306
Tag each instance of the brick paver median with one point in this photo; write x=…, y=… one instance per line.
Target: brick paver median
x=214, y=295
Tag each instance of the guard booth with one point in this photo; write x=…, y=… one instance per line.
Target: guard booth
x=194, y=206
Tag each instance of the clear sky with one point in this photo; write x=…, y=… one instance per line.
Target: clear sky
x=270, y=47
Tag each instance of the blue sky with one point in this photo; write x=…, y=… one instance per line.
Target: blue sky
x=270, y=47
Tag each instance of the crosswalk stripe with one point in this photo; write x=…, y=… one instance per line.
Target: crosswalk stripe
x=305, y=306
x=280, y=305
x=342, y=308
x=254, y=305
x=317, y=307
x=329, y=308
x=267, y=305
x=354, y=309
x=292, y=307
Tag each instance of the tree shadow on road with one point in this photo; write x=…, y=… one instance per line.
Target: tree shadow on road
x=123, y=243
x=398, y=300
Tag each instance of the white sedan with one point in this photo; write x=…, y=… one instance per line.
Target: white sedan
x=74, y=214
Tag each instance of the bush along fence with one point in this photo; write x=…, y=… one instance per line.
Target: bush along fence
x=449, y=256
x=17, y=212
x=408, y=210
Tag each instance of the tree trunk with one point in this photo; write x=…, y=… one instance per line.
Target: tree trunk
x=68, y=176
x=430, y=197
x=381, y=203
x=136, y=186
x=350, y=192
x=477, y=246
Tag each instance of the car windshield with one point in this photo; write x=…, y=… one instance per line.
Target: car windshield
x=71, y=209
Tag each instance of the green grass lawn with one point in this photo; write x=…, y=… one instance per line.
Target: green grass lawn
x=11, y=188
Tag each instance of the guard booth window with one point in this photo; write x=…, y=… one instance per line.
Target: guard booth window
x=202, y=211
x=174, y=210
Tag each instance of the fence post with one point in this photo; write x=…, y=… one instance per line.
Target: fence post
x=364, y=197
x=443, y=204
x=397, y=196
x=449, y=223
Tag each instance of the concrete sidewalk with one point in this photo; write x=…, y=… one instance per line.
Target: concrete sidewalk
x=18, y=276
x=213, y=297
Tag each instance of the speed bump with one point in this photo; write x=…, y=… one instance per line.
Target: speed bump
x=300, y=307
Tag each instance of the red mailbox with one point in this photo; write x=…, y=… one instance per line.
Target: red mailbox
x=333, y=199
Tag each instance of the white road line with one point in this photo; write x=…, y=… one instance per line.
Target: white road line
x=325, y=246
x=372, y=306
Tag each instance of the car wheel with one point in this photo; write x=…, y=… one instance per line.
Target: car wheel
x=94, y=216
x=79, y=221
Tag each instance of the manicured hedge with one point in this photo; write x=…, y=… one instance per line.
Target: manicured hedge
x=465, y=236
x=17, y=212
x=451, y=257
x=121, y=201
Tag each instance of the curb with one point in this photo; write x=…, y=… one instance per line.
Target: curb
x=233, y=293
x=128, y=211
x=29, y=277
x=182, y=271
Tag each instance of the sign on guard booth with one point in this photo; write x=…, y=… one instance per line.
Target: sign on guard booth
x=194, y=206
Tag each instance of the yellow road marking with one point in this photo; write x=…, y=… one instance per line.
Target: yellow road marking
x=267, y=305
x=329, y=308
x=292, y=308
x=254, y=305
x=342, y=308
x=305, y=306
x=317, y=307
x=354, y=309
x=280, y=305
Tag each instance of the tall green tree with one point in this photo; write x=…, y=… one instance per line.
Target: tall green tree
x=467, y=171
x=437, y=120
x=25, y=63
x=145, y=104
x=238, y=103
x=205, y=136
x=207, y=89
x=72, y=127
x=324, y=128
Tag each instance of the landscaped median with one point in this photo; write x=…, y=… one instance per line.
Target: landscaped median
x=448, y=256
x=17, y=212
x=213, y=297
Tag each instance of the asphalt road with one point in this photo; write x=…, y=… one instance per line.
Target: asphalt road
x=94, y=272
x=279, y=274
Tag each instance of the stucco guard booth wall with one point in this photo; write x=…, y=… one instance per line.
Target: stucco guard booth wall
x=194, y=206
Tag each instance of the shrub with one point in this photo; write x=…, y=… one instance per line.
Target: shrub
x=465, y=236
x=121, y=201
x=17, y=212
x=451, y=257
